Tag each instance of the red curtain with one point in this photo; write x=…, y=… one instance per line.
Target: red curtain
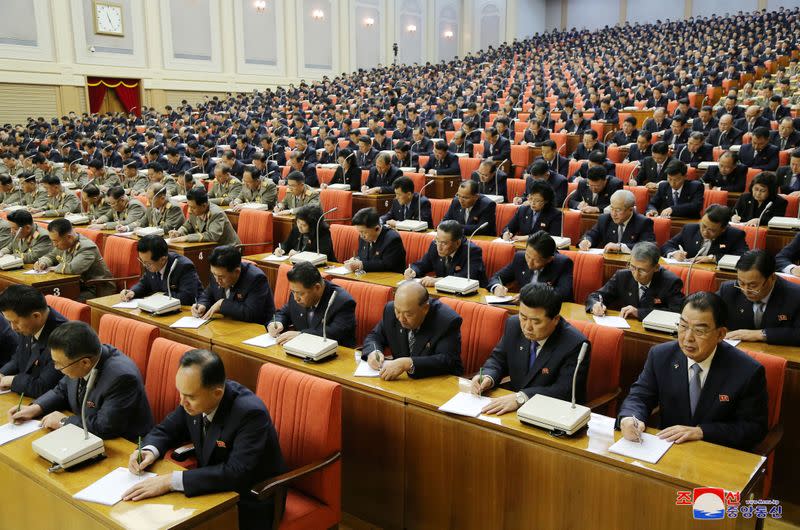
x=127, y=90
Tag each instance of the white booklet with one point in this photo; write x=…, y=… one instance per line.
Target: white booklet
x=465, y=404
x=126, y=305
x=109, y=489
x=11, y=431
x=188, y=323
x=611, y=322
x=364, y=370
x=650, y=450
x=338, y=270
x=273, y=257
x=262, y=341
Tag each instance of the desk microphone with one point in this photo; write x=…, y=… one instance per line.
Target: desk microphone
x=469, y=244
x=758, y=224
x=581, y=355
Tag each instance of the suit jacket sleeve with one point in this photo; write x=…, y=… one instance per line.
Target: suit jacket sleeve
x=496, y=366
x=207, y=298
x=376, y=340
x=504, y=276
x=691, y=208
x=608, y=292
x=47, y=379
x=188, y=286
x=446, y=357
x=55, y=398
x=341, y=323
x=643, y=396
x=171, y=432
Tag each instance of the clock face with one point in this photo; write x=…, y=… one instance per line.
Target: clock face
x=108, y=19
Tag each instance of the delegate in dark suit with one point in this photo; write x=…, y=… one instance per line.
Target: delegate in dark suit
x=739, y=420
x=603, y=199
x=341, y=323
x=499, y=151
x=730, y=241
x=432, y=262
x=184, y=283
x=789, y=256
x=240, y=449
x=725, y=139
x=557, y=273
x=248, y=300
x=398, y=212
x=559, y=164
x=383, y=181
x=781, y=318
x=605, y=230
x=650, y=172
x=622, y=290
x=733, y=181
x=447, y=166
x=387, y=253
x=31, y=365
x=526, y=221
x=551, y=373
x=704, y=153
x=483, y=211
x=437, y=342
x=9, y=341
x=766, y=159
x=116, y=406
x=557, y=182
x=690, y=199
x=748, y=208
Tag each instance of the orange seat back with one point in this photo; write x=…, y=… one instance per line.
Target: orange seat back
x=370, y=300
x=503, y=215
x=71, y=309
x=160, y=381
x=281, y=295
x=255, y=226
x=751, y=174
x=416, y=245
x=792, y=205
x=662, y=227
x=468, y=166
x=615, y=155
x=624, y=170
x=93, y=235
x=419, y=181
x=606, y=361
x=571, y=225
x=587, y=274
x=122, y=259
x=341, y=199
x=519, y=159
x=307, y=414
x=641, y=195
x=750, y=233
x=325, y=174
x=345, y=241
x=481, y=330
x=131, y=337
x=515, y=188
x=701, y=280
x=495, y=255
x=714, y=197
x=439, y=207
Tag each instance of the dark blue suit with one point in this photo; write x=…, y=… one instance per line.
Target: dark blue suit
x=9, y=341
x=385, y=181
x=730, y=241
x=748, y=208
x=184, y=282
x=639, y=228
x=432, y=262
x=499, y=151
x=31, y=365
x=551, y=373
x=116, y=406
x=397, y=211
x=690, y=199
x=483, y=211
x=557, y=273
x=522, y=223
x=724, y=140
x=559, y=164
x=765, y=160
x=734, y=181
x=781, y=319
x=584, y=193
x=732, y=409
x=789, y=255
x=341, y=317
x=557, y=182
x=387, y=253
x=488, y=188
x=239, y=450
x=787, y=181
x=437, y=344
x=250, y=298
x=448, y=166
x=705, y=153
x=622, y=290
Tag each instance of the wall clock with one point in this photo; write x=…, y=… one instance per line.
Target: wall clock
x=108, y=19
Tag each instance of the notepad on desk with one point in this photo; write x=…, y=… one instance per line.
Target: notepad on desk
x=11, y=431
x=110, y=488
x=593, y=251
x=490, y=299
x=365, y=370
x=188, y=323
x=465, y=404
x=650, y=450
x=611, y=322
x=273, y=257
x=338, y=270
x=673, y=261
x=126, y=305
x=262, y=341
x=34, y=271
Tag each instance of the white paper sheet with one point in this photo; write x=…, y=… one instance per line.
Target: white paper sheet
x=188, y=323
x=611, y=322
x=273, y=257
x=733, y=342
x=126, y=305
x=650, y=450
x=109, y=489
x=498, y=299
x=491, y=419
x=34, y=271
x=404, y=280
x=501, y=240
x=593, y=251
x=465, y=404
x=4, y=392
x=673, y=261
x=10, y=431
x=262, y=341
x=364, y=370
x=338, y=270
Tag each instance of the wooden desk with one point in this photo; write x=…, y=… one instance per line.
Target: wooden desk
x=198, y=253
x=66, y=285
x=382, y=202
x=444, y=186
x=37, y=499
x=640, y=115
x=233, y=217
x=571, y=144
x=198, y=338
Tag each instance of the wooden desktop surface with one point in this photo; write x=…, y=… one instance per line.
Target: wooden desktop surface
x=67, y=285
x=35, y=498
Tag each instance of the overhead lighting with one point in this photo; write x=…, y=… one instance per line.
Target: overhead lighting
x=411, y=28
x=448, y=34
x=369, y=21
x=260, y=5
x=317, y=14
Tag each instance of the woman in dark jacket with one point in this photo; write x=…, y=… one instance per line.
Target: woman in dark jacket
x=303, y=237
x=538, y=213
x=751, y=204
x=348, y=171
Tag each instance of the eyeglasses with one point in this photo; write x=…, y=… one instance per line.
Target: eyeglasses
x=638, y=270
x=440, y=243
x=750, y=288
x=62, y=368
x=698, y=332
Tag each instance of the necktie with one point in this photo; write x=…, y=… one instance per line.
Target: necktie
x=405, y=212
x=81, y=390
x=642, y=292
x=758, y=314
x=783, y=144
x=310, y=316
x=534, y=347
x=206, y=425
x=411, y=341
x=619, y=233
x=446, y=264
x=466, y=216
x=534, y=276
x=594, y=199
x=674, y=198
x=694, y=386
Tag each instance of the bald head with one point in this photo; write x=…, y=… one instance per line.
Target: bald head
x=411, y=304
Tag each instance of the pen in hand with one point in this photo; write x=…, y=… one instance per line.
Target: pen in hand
x=19, y=405
x=480, y=381
x=139, y=456
x=636, y=428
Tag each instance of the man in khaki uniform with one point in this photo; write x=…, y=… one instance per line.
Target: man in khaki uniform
x=10, y=165
x=161, y=214
x=101, y=177
x=5, y=233
x=297, y=195
x=45, y=168
x=207, y=222
x=257, y=189
x=29, y=241
x=9, y=193
x=75, y=254
x=134, y=182
x=93, y=203
x=155, y=174
x=59, y=201
x=122, y=211
x=226, y=188
x=32, y=196
x=75, y=173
